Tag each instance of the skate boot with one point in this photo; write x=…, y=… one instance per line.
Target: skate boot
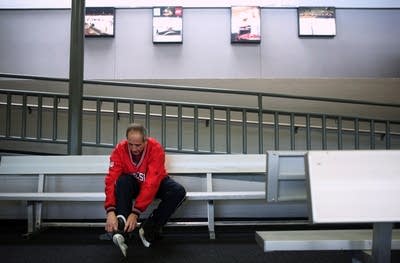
x=149, y=232
x=119, y=238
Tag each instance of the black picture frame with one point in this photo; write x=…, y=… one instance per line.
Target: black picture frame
x=316, y=21
x=168, y=25
x=246, y=24
x=99, y=22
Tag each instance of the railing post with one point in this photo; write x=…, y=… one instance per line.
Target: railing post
x=24, y=112
x=340, y=133
x=131, y=112
x=163, y=125
x=115, y=122
x=276, y=131
x=212, y=130
x=39, y=118
x=372, y=134
x=357, y=133
x=228, y=131
x=324, y=143
x=244, y=130
x=308, y=132
x=98, y=121
x=55, y=118
x=76, y=78
x=147, y=118
x=388, y=142
x=292, y=133
x=196, y=128
x=179, y=127
x=8, y=117
x=260, y=125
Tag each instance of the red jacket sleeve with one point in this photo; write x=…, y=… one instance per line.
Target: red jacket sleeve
x=154, y=175
x=114, y=171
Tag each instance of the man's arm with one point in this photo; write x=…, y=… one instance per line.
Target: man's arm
x=114, y=171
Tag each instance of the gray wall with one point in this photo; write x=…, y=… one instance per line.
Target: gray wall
x=366, y=45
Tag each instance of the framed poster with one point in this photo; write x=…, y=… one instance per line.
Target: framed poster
x=99, y=21
x=167, y=24
x=317, y=21
x=245, y=24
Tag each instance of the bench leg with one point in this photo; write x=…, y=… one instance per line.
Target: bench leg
x=211, y=222
x=34, y=216
x=210, y=208
x=381, y=242
x=30, y=217
x=38, y=216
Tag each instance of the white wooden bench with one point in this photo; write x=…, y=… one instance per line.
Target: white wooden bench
x=202, y=165
x=347, y=187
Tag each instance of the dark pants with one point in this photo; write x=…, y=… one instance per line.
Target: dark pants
x=170, y=192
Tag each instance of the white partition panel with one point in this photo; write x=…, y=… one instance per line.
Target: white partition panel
x=354, y=186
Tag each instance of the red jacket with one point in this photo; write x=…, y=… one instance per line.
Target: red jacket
x=149, y=172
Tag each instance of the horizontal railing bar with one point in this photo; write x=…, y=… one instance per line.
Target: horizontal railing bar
x=187, y=104
x=328, y=116
x=32, y=77
x=172, y=103
x=122, y=112
x=238, y=92
x=167, y=149
x=206, y=90
x=218, y=107
x=169, y=87
x=233, y=121
x=33, y=139
x=144, y=101
x=34, y=93
x=101, y=145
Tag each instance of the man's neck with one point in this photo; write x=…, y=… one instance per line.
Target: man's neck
x=136, y=158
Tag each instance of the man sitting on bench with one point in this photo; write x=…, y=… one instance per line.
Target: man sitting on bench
x=137, y=171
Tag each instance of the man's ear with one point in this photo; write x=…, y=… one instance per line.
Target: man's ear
x=144, y=134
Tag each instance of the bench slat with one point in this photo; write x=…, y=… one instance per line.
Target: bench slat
x=95, y=196
x=226, y=195
x=348, y=239
x=75, y=196
x=82, y=164
x=98, y=164
x=216, y=163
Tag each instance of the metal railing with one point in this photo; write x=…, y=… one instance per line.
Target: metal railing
x=223, y=124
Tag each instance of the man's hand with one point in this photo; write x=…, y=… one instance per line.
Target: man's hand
x=112, y=222
x=131, y=222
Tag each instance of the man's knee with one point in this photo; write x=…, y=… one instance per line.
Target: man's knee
x=179, y=191
x=122, y=181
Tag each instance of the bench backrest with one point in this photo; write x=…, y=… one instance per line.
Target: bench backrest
x=216, y=163
x=98, y=164
x=353, y=186
x=33, y=164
